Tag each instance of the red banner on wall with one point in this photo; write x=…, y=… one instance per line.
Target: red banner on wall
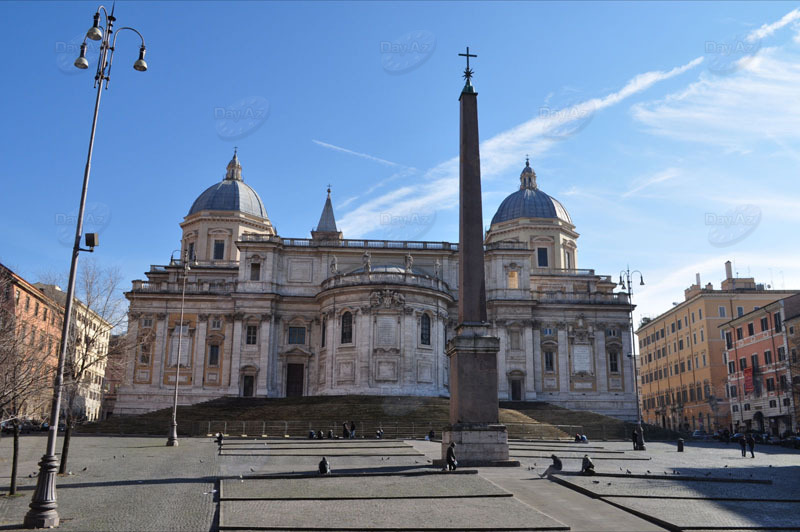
x=748, y=380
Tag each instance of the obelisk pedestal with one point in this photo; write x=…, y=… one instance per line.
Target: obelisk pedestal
x=474, y=413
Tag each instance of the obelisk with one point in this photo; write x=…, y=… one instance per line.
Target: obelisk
x=474, y=413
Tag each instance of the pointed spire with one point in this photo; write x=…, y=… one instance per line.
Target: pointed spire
x=234, y=169
x=527, y=179
x=326, y=228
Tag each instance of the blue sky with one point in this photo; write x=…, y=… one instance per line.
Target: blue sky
x=669, y=131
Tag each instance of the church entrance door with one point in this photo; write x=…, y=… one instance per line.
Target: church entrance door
x=294, y=380
x=516, y=390
x=248, y=385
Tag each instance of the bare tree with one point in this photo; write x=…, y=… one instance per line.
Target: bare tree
x=26, y=370
x=100, y=310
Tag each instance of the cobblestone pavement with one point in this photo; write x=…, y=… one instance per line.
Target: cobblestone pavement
x=120, y=483
x=136, y=483
x=686, y=489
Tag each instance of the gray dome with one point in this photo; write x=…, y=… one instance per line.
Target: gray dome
x=232, y=194
x=530, y=202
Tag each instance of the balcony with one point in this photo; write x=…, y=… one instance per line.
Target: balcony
x=588, y=298
x=375, y=278
x=192, y=287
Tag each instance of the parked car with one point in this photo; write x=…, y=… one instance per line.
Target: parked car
x=700, y=435
x=791, y=441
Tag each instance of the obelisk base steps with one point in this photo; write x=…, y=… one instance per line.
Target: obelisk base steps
x=477, y=445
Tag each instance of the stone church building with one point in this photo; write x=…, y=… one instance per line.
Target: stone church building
x=270, y=316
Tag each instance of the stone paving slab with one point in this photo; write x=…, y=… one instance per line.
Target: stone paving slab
x=678, y=488
x=481, y=513
x=718, y=515
x=320, y=452
x=554, y=450
x=577, y=456
x=383, y=486
x=309, y=463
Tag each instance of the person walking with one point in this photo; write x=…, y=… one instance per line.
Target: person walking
x=743, y=445
x=751, y=444
x=635, y=440
x=345, y=431
x=352, y=429
x=451, y=457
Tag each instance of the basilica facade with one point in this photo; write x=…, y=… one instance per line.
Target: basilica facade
x=270, y=316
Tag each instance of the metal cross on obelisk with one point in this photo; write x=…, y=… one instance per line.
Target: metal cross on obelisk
x=468, y=71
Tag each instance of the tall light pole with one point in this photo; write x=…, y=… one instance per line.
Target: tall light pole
x=625, y=276
x=43, y=511
x=172, y=439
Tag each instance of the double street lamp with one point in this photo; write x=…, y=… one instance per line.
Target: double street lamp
x=43, y=511
x=626, y=277
x=172, y=439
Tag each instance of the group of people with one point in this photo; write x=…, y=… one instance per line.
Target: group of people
x=319, y=435
x=581, y=438
x=349, y=431
x=748, y=442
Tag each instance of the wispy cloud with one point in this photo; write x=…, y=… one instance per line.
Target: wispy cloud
x=660, y=177
x=357, y=154
x=499, y=153
x=768, y=29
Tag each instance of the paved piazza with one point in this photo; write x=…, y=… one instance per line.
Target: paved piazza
x=135, y=483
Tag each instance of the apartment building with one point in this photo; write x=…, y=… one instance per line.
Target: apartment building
x=683, y=371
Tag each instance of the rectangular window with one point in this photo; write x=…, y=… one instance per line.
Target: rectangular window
x=770, y=384
x=739, y=334
x=252, y=335
x=754, y=361
x=568, y=256
x=739, y=311
x=144, y=354
x=702, y=336
x=742, y=363
x=190, y=251
x=549, y=363
x=613, y=362
x=731, y=367
x=213, y=355
x=764, y=324
x=781, y=353
x=733, y=391
x=297, y=335
x=778, y=324
x=147, y=323
x=784, y=383
x=700, y=314
x=683, y=367
x=216, y=323
x=773, y=403
x=694, y=338
x=219, y=249
x=692, y=317
x=747, y=406
x=347, y=328
x=680, y=325
x=680, y=344
x=673, y=328
x=541, y=255
x=691, y=394
x=721, y=312
x=767, y=357
x=728, y=340
x=689, y=365
x=750, y=329
x=255, y=271
x=676, y=369
x=704, y=361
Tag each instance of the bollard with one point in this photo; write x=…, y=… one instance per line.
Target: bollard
x=680, y=445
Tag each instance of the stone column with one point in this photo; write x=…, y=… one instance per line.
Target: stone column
x=264, y=342
x=236, y=352
x=160, y=353
x=199, y=358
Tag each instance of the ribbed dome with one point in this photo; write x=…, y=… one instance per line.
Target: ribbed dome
x=232, y=194
x=530, y=202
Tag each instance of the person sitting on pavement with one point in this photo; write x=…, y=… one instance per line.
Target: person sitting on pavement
x=324, y=467
x=584, y=439
x=587, y=466
x=311, y=435
x=555, y=466
x=431, y=435
x=577, y=438
x=330, y=434
x=320, y=435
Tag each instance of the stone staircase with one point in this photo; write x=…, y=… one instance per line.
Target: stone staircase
x=595, y=426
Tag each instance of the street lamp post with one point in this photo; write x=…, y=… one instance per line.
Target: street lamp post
x=172, y=439
x=43, y=512
x=625, y=276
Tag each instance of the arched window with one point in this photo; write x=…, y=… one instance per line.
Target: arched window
x=613, y=362
x=425, y=330
x=347, y=328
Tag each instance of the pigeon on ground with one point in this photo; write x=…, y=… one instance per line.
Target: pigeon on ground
x=628, y=471
x=324, y=467
x=85, y=468
x=252, y=469
x=648, y=471
x=595, y=482
x=708, y=474
x=726, y=465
